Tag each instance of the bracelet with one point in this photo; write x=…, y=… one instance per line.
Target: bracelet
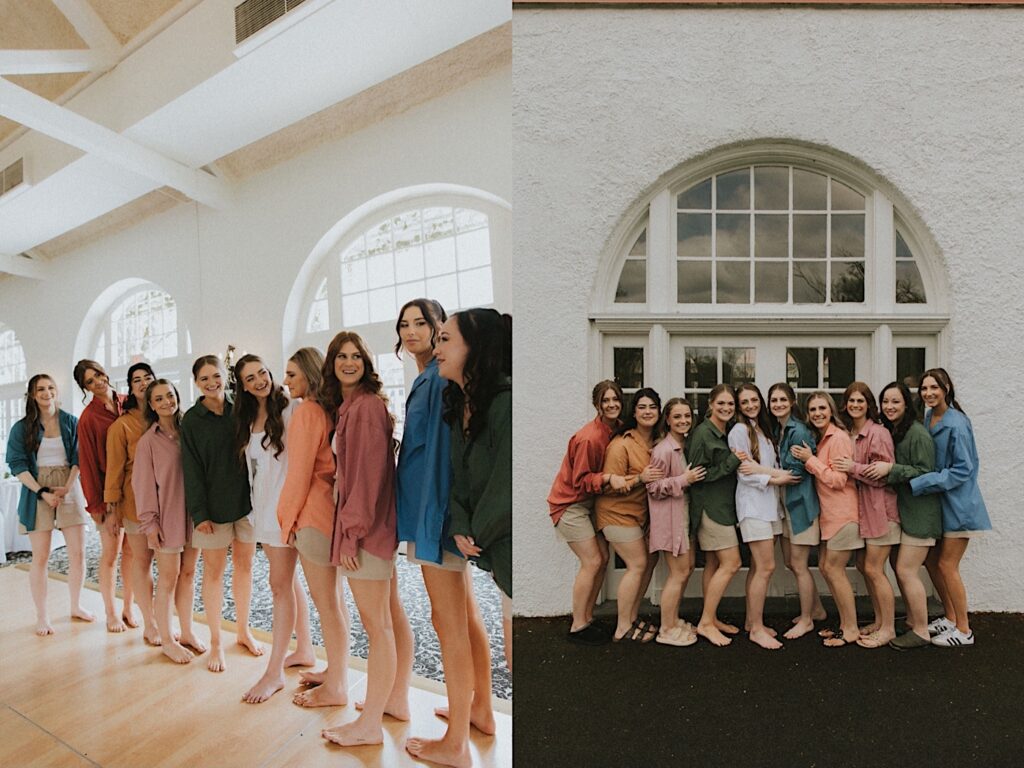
x=44, y=489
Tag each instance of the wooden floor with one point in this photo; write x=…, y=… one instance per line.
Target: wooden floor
x=84, y=697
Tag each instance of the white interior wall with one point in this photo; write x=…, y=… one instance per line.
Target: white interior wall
x=608, y=101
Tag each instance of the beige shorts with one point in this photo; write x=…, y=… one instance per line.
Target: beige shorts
x=810, y=537
x=169, y=550
x=622, y=534
x=846, y=538
x=713, y=536
x=223, y=534
x=760, y=530
x=130, y=527
x=906, y=538
x=961, y=534
x=577, y=522
x=449, y=562
x=370, y=567
x=888, y=539
x=66, y=515
x=313, y=546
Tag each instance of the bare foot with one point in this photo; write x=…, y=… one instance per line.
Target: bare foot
x=313, y=677
x=729, y=629
x=769, y=630
x=176, y=653
x=870, y=629
x=875, y=639
x=300, y=659
x=265, y=687
x=247, y=641
x=216, y=661
x=128, y=617
x=482, y=721
x=355, y=734
x=711, y=633
x=397, y=709
x=80, y=614
x=151, y=636
x=321, y=697
x=800, y=628
x=193, y=642
x=765, y=639
x=115, y=624
x=437, y=751
x=43, y=628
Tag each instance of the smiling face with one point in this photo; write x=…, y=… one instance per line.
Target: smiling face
x=295, y=380
x=779, y=404
x=819, y=413
x=256, y=380
x=210, y=381
x=856, y=406
x=610, y=407
x=680, y=419
x=646, y=413
x=750, y=404
x=893, y=404
x=45, y=394
x=451, y=352
x=931, y=393
x=415, y=331
x=349, y=366
x=141, y=378
x=723, y=407
x=97, y=383
x=163, y=401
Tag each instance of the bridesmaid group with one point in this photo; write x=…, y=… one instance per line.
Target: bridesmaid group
x=312, y=474
x=868, y=478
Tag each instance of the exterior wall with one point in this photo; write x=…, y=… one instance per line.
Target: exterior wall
x=607, y=102
x=231, y=270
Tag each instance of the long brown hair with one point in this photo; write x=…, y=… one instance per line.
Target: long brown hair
x=152, y=417
x=329, y=396
x=433, y=313
x=945, y=384
x=795, y=411
x=872, y=410
x=33, y=416
x=82, y=367
x=247, y=407
x=762, y=422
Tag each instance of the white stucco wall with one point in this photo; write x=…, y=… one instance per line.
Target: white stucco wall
x=231, y=270
x=608, y=101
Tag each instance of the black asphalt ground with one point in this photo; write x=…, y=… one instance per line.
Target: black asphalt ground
x=804, y=705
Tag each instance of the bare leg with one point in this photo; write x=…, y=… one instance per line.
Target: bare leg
x=282, y=575
x=908, y=572
x=128, y=581
x=373, y=599
x=142, y=581
x=939, y=579
x=397, y=705
x=74, y=537
x=883, y=597
x=242, y=554
x=214, y=563
x=949, y=566
x=303, y=655
x=796, y=560
x=111, y=543
x=728, y=563
x=37, y=577
x=861, y=563
x=834, y=570
x=168, y=572
x=710, y=567
x=680, y=567
x=762, y=567
x=185, y=597
x=593, y=560
x=634, y=553
x=323, y=586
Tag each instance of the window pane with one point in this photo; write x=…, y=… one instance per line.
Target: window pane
x=734, y=190
x=440, y=257
x=701, y=367
x=696, y=197
x=693, y=282
x=407, y=229
x=380, y=270
x=910, y=365
x=902, y=249
x=445, y=290
x=475, y=287
x=640, y=246
x=809, y=191
x=802, y=367
x=693, y=235
x=699, y=401
x=437, y=223
x=356, y=309
x=848, y=281
x=771, y=189
x=771, y=236
x=382, y=304
x=909, y=286
x=840, y=367
x=738, y=365
x=845, y=199
x=733, y=282
x=809, y=282
x=771, y=282
x=809, y=236
x=409, y=264
x=474, y=248
x=353, y=276
x=632, y=287
x=732, y=236
x=467, y=219
x=848, y=236
x=628, y=365
x=408, y=291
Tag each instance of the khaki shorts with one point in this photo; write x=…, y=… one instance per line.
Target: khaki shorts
x=449, y=562
x=130, y=527
x=622, y=534
x=370, y=567
x=810, y=537
x=66, y=515
x=223, y=534
x=712, y=536
x=760, y=530
x=889, y=538
x=577, y=522
x=313, y=545
x=961, y=534
x=913, y=541
x=846, y=538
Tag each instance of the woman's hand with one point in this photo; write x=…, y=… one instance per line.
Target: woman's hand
x=741, y=455
x=878, y=470
x=784, y=478
x=60, y=492
x=652, y=472
x=349, y=563
x=467, y=546
x=695, y=474
x=748, y=468
x=842, y=464
x=50, y=498
x=153, y=540
x=205, y=527
x=618, y=483
x=111, y=521
x=801, y=452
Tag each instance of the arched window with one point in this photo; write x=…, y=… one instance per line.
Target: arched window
x=447, y=243
x=13, y=379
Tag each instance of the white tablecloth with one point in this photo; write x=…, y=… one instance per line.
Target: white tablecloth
x=10, y=489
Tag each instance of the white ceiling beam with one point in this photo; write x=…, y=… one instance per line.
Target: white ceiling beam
x=52, y=62
x=60, y=123
x=88, y=24
x=22, y=267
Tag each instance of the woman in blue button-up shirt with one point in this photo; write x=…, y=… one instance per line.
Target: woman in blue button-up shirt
x=963, y=510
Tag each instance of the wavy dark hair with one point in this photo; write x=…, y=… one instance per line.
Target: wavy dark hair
x=329, y=396
x=486, y=370
x=247, y=407
x=432, y=312
x=865, y=390
x=945, y=384
x=899, y=429
x=762, y=422
x=152, y=417
x=629, y=418
x=795, y=412
x=131, y=401
x=33, y=416
x=82, y=367
x=661, y=429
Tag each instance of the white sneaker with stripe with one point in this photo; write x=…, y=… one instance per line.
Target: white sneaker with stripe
x=953, y=638
x=940, y=625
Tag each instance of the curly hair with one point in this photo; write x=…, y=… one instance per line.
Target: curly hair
x=247, y=407
x=486, y=370
x=432, y=312
x=900, y=428
x=33, y=416
x=329, y=396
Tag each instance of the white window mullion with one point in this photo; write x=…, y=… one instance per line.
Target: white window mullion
x=881, y=261
x=660, y=254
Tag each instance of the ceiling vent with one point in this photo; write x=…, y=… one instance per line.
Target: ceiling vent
x=12, y=176
x=253, y=15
